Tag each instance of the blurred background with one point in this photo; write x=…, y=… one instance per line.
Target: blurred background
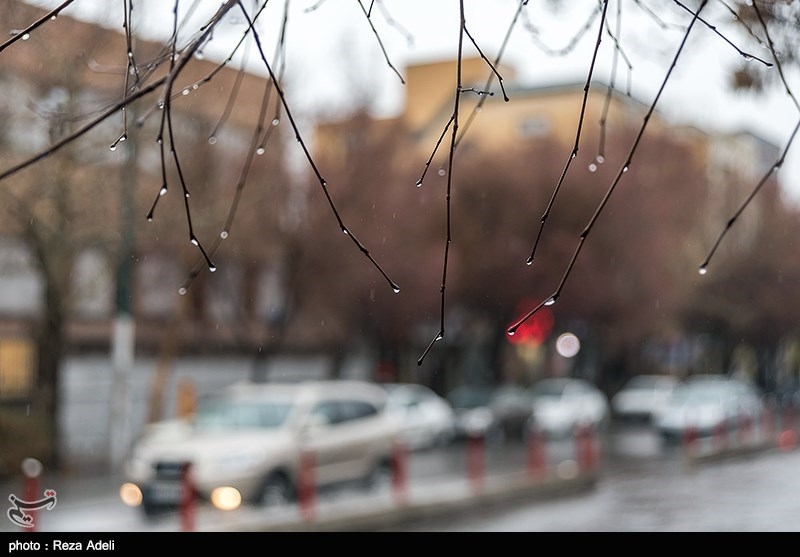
x=111, y=318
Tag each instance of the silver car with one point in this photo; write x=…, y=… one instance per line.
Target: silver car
x=642, y=396
x=561, y=405
x=247, y=444
x=426, y=419
x=706, y=404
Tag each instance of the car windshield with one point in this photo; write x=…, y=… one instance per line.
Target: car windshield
x=230, y=414
x=645, y=383
x=548, y=389
x=469, y=397
x=697, y=395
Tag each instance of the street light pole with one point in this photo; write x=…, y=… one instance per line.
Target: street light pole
x=123, y=335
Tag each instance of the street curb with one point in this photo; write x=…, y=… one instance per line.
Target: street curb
x=389, y=515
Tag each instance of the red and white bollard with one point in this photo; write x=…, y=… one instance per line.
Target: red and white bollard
x=537, y=457
x=188, y=500
x=721, y=435
x=690, y=440
x=306, y=485
x=31, y=471
x=400, y=472
x=745, y=431
x=476, y=460
x=584, y=448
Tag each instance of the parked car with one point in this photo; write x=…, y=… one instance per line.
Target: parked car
x=707, y=404
x=473, y=415
x=562, y=404
x=425, y=418
x=512, y=407
x=496, y=413
x=643, y=395
x=246, y=444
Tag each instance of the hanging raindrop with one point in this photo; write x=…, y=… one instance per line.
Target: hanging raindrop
x=419, y=183
x=275, y=122
x=185, y=91
x=212, y=268
x=182, y=290
x=162, y=191
x=592, y=167
x=550, y=302
x=600, y=159
x=224, y=234
x=703, y=269
x=212, y=140
x=260, y=151
x=396, y=289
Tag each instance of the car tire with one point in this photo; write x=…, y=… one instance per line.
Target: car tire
x=277, y=490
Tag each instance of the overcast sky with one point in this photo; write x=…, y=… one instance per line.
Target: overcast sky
x=333, y=56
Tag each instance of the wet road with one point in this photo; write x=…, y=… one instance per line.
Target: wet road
x=647, y=488
x=642, y=487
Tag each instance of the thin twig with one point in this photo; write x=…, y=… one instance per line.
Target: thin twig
x=625, y=167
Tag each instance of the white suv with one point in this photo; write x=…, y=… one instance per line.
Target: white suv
x=246, y=444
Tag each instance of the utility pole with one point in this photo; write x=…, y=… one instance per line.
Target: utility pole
x=124, y=333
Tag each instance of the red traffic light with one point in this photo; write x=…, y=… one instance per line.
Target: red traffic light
x=535, y=329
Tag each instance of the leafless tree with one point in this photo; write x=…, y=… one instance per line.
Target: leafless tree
x=155, y=83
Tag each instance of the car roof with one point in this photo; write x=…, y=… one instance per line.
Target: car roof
x=308, y=389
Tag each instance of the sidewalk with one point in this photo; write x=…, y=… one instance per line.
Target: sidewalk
x=385, y=511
